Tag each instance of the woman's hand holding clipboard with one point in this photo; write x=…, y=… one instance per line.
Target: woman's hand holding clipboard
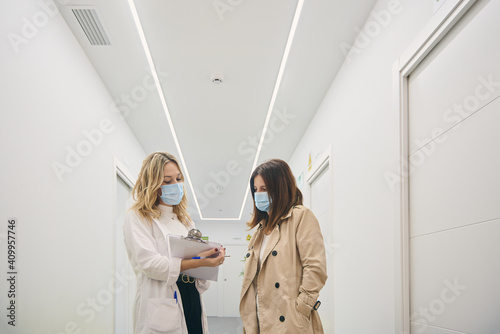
x=213, y=257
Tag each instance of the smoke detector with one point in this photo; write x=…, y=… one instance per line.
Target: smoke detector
x=217, y=78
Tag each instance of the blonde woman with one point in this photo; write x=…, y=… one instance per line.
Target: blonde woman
x=166, y=302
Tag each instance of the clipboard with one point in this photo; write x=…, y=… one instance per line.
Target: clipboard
x=190, y=246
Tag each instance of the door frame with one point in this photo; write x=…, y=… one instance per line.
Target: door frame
x=124, y=174
x=318, y=166
x=442, y=22
x=121, y=171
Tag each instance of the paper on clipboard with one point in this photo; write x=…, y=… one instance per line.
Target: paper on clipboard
x=184, y=248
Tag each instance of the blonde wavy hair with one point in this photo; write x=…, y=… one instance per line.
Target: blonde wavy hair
x=145, y=191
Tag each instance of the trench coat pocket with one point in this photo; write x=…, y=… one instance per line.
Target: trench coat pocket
x=303, y=308
x=164, y=316
x=292, y=317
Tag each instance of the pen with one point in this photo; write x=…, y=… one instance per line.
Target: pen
x=204, y=257
x=175, y=296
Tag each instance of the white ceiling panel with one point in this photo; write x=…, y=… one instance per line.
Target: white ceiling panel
x=218, y=126
x=190, y=41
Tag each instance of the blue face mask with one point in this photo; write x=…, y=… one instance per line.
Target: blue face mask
x=171, y=194
x=262, y=201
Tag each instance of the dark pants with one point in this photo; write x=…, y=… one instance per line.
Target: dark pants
x=191, y=305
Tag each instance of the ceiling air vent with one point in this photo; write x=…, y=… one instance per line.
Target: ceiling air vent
x=91, y=25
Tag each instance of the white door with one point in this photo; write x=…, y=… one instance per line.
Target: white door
x=126, y=283
x=233, y=279
x=211, y=298
x=222, y=299
x=454, y=182
x=321, y=204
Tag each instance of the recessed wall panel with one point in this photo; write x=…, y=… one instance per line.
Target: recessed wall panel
x=457, y=180
x=455, y=277
x=460, y=76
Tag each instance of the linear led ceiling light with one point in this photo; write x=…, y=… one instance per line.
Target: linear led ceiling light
x=284, y=59
x=289, y=42
x=162, y=98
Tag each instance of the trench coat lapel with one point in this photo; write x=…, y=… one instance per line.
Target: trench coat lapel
x=252, y=266
x=274, y=238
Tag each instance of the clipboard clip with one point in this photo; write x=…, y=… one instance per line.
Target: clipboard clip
x=194, y=235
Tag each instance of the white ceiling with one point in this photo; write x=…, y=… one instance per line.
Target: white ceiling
x=219, y=126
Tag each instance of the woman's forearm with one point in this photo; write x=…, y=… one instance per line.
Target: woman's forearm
x=191, y=264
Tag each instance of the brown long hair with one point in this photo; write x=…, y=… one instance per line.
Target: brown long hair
x=145, y=190
x=281, y=189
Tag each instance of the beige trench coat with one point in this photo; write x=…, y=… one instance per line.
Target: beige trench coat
x=292, y=273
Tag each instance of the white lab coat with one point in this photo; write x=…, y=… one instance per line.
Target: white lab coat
x=156, y=311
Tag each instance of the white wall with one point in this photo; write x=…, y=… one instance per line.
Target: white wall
x=357, y=117
x=230, y=232
x=50, y=95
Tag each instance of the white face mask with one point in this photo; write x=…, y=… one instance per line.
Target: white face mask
x=262, y=201
x=172, y=194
